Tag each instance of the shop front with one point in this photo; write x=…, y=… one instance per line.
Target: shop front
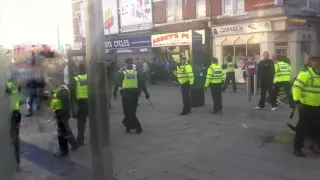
x=129, y=46
x=276, y=37
x=171, y=45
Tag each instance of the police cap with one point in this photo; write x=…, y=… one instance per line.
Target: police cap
x=183, y=57
x=128, y=61
x=214, y=59
x=317, y=58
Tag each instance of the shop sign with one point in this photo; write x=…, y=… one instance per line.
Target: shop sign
x=174, y=39
x=262, y=26
x=298, y=24
x=261, y=4
x=135, y=15
x=129, y=45
x=110, y=16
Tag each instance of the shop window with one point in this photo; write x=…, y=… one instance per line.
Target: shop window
x=201, y=8
x=232, y=7
x=281, y=46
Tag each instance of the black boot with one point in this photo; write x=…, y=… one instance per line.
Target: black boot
x=139, y=130
x=298, y=153
x=127, y=130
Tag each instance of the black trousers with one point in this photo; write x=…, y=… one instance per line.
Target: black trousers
x=65, y=134
x=230, y=77
x=266, y=85
x=308, y=125
x=186, y=98
x=115, y=91
x=129, y=104
x=287, y=88
x=142, y=86
x=216, y=97
x=15, y=132
x=82, y=119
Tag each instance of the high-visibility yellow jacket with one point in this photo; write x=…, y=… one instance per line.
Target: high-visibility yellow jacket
x=56, y=103
x=282, y=72
x=306, y=88
x=15, y=96
x=230, y=67
x=215, y=75
x=82, y=86
x=130, y=79
x=184, y=74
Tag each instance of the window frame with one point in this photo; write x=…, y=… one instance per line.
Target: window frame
x=308, y=7
x=173, y=11
x=234, y=11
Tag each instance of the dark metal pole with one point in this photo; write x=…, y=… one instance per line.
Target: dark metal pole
x=98, y=102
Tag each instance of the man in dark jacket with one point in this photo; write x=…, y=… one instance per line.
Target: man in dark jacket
x=265, y=74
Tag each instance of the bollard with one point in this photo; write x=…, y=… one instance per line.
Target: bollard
x=255, y=85
x=249, y=88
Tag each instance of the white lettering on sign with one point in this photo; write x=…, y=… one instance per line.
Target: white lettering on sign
x=121, y=43
x=235, y=28
x=144, y=50
x=174, y=39
x=108, y=44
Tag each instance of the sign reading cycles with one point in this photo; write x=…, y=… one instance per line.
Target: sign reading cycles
x=128, y=45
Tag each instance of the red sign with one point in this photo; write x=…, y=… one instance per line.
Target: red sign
x=259, y=4
x=171, y=39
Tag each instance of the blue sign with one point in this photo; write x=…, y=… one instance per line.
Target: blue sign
x=129, y=45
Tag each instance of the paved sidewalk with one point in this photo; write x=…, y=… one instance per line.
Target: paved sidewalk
x=29, y=171
x=242, y=144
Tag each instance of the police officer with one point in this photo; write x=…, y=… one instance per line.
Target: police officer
x=79, y=91
x=60, y=104
x=230, y=74
x=185, y=78
x=130, y=95
x=306, y=94
x=13, y=90
x=214, y=80
x=282, y=78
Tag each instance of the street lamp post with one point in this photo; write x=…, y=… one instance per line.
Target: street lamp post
x=98, y=106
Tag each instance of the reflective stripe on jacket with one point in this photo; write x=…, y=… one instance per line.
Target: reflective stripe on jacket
x=82, y=86
x=215, y=75
x=306, y=88
x=282, y=72
x=130, y=80
x=185, y=73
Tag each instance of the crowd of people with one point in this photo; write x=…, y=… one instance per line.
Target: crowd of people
x=69, y=96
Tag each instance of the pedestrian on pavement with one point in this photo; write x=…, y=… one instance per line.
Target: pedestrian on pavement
x=282, y=78
x=185, y=78
x=142, y=73
x=130, y=95
x=61, y=105
x=250, y=67
x=230, y=74
x=266, y=76
x=13, y=90
x=35, y=82
x=111, y=76
x=153, y=72
x=214, y=80
x=79, y=92
x=306, y=95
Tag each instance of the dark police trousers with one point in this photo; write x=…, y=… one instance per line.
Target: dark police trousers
x=266, y=85
x=186, y=98
x=15, y=132
x=65, y=134
x=129, y=104
x=287, y=88
x=308, y=125
x=216, y=96
x=82, y=119
x=230, y=77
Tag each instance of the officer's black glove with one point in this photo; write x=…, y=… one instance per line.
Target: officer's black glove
x=147, y=96
x=297, y=104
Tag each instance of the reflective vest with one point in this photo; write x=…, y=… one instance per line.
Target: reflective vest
x=130, y=80
x=185, y=73
x=82, y=86
x=282, y=72
x=230, y=67
x=56, y=103
x=215, y=75
x=14, y=96
x=306, y=88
